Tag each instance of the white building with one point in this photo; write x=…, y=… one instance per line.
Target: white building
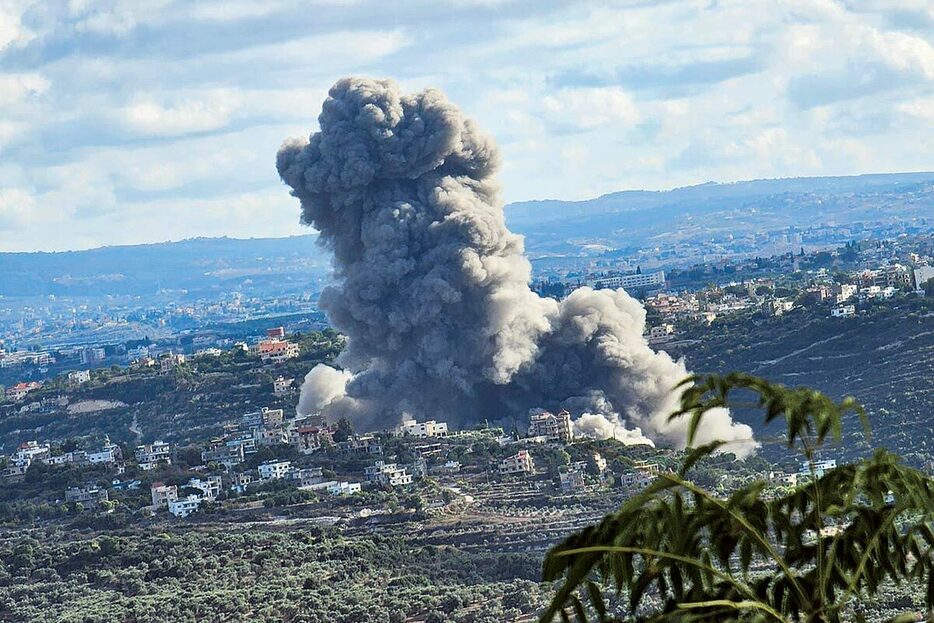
x=282, y=386
x=241, y=481
x=847, y=291
x=32, y=451
x=106, y=455
x=844, y=311
x=431, y=428
x=343, y=488
x=388, y=474
x=77, y=377
x=818, y=467
x=552, y=427
x=631, y=282
x=274, y=470
x=149, y=455
x=185, y=506
x=519, y=463
x=209, y=487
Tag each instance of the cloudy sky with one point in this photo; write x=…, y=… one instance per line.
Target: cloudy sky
x=130, y=121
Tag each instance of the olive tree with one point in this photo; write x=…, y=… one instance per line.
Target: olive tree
x=677, y=552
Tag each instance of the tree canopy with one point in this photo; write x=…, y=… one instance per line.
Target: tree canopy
x=677, y=552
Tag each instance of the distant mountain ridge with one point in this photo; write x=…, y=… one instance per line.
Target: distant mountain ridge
x=195, y=264
x=632, y=218
x=618, y=219
x=702, y=194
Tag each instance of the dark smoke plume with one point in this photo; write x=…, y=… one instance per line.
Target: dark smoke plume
x=433, y=289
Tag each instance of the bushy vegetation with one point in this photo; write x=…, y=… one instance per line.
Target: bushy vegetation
x=310, y=575
x=816, y=554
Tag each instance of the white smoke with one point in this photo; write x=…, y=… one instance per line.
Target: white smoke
x=433, y=289
x=322, y=386
x=597, y=426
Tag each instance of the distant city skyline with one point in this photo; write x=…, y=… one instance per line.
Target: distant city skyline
x=126, y=121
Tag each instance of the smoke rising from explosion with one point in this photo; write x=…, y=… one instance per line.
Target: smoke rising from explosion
x=433, y=289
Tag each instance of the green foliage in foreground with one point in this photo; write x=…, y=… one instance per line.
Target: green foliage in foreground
x=676, y=552
x=307, y=575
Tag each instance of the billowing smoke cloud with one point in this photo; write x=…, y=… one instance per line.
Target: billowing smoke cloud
x=433, y=288
x=322, y=386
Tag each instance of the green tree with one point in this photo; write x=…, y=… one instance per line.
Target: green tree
x=677, y=552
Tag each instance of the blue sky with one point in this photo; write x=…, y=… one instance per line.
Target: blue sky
x=146, y=120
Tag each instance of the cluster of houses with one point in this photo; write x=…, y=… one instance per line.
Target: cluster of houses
x=807, y=470
x=31, y=452
x=880, y=283
x=267, y=427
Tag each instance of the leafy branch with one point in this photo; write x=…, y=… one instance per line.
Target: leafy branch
x=677, y=552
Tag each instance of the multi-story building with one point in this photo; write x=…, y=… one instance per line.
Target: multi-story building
x=106, y=455
x=185, y=506
x=305, y=477
x=599, y=462
x=170, y=361
x=661, y=333
x=845, y=291
x=209, y=487
x=20, y=390
x=276, y=350
x=363, y=444
x=817, y=468
x=282, y=386
x=572, y=478
x=163, y=494
x=551, y=426
x=431, y=428
x=654, y=280
x=240, y=481
x=90, y=496
x=77, y=377
x=150, y=455
x=270, y=436
x=844, y=311
x=32, y=451
x=309, y=439
x=388, y=474
x=274, y=470
x=894, y=276
x=272, y=417
x=519, y=463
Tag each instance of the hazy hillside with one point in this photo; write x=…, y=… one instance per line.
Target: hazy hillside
x=197, y=264
x=633, y=217
x=885, y=359
x=618, y=219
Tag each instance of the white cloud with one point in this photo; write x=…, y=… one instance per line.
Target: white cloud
x=119, y=112
x=211, y=111
x=17, y=208
x=589, y=108
x=12, y=30
x=14, y=88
